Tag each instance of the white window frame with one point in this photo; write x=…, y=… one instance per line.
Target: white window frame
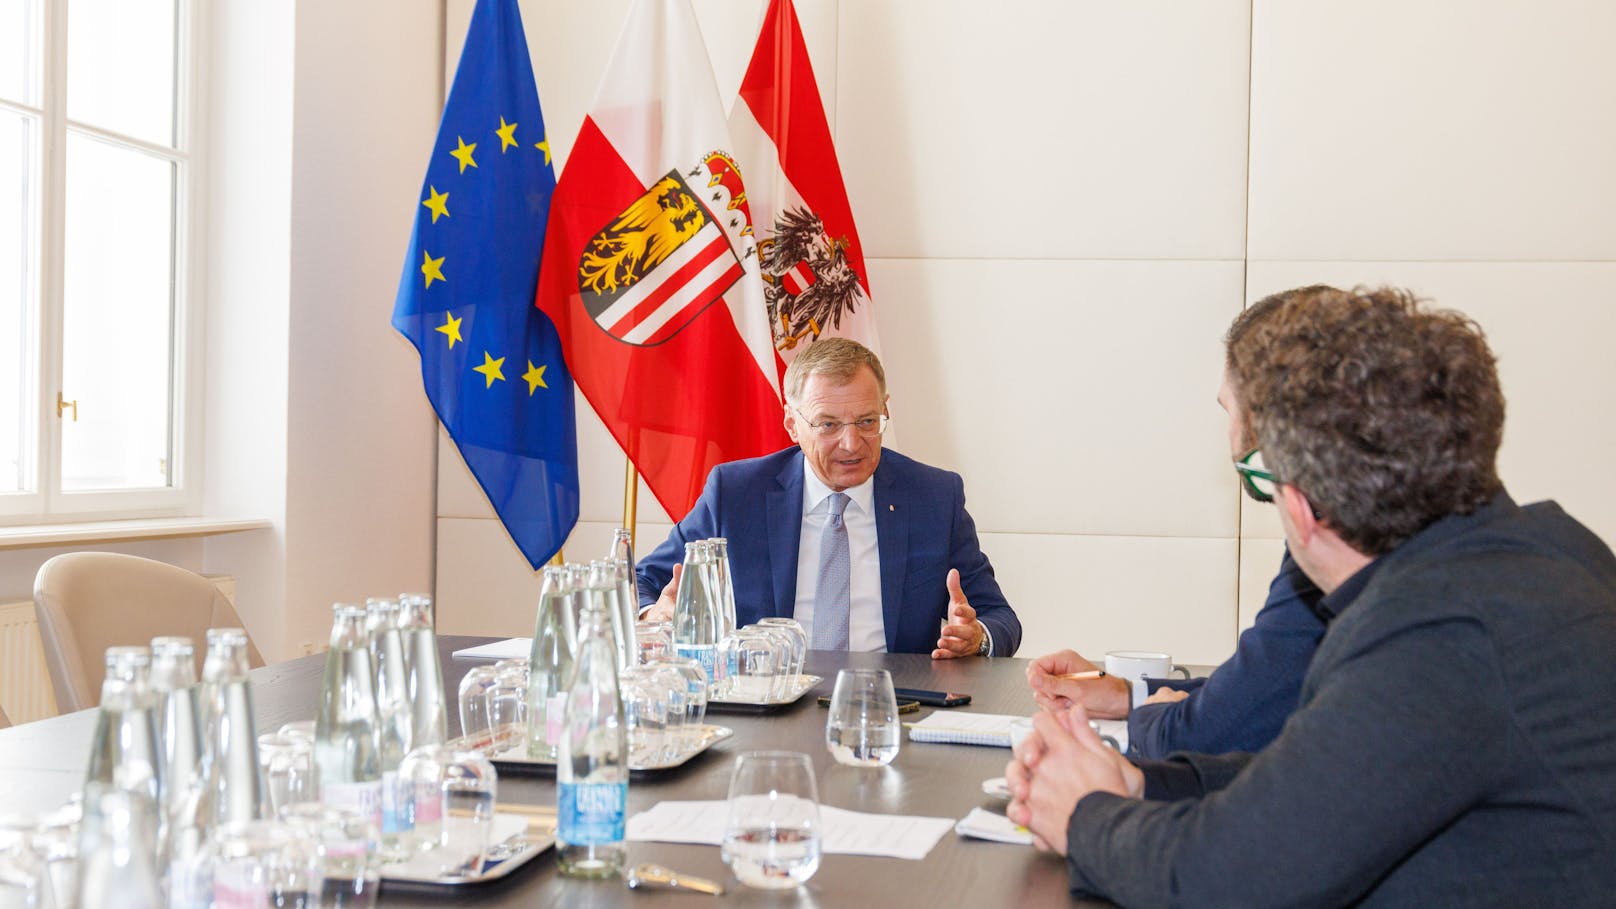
x=48, y=503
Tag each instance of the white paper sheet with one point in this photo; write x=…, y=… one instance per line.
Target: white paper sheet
x=844, y=832
x=509, y=649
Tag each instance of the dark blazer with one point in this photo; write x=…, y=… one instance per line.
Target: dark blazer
x=922, y=530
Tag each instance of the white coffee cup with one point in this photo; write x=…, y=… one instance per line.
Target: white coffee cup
x=1138, y=665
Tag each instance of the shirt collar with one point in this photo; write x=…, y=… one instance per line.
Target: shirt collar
x=815, y=492
x=1339, y=599
x=1336, y=601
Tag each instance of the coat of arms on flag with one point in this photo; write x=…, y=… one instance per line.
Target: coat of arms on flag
x=809, y=255
x=667, y=256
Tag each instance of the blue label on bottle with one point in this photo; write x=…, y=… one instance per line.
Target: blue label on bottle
x=706, y=655
x=591, y=814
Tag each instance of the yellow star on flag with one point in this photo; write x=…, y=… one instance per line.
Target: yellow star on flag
x=432, y=268
x=490, y=369
x=506, y=134
x=544, y=147
x=438, y=203
x=451, y=329
x=534, y=377
x=463, y=154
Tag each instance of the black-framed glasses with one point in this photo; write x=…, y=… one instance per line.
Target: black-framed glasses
x=1255, y=478
x=867, y=427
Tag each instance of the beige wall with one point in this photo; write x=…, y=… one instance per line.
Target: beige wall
x=1064, y=203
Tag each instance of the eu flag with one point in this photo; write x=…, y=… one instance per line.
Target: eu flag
x=490, y=360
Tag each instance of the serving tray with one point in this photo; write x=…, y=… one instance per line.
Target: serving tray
x=518, y=839
x=730, y=704
x=509, y=754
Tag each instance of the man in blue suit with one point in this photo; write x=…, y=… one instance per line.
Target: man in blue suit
x=869, y=550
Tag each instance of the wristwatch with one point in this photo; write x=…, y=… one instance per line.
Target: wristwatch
x=986, y=647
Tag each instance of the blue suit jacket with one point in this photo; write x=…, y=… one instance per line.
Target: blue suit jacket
x=922, y=530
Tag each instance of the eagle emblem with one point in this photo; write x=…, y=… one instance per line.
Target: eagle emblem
x=808, y=282
x=668, y=255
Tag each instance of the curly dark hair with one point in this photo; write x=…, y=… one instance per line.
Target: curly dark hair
x=1386, y=414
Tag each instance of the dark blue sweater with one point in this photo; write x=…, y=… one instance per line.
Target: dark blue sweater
x=1243, y=703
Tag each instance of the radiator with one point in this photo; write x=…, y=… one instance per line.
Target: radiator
x=25, y=687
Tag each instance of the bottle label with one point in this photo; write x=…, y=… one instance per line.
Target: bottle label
x=705, y=654
x=591, y=814
x=398, y=816
x=362, y=798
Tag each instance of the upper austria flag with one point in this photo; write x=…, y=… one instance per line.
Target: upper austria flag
x=809, y=251
x=491, y=363
x=651, y=270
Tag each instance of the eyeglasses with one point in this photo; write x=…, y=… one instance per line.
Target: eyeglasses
x=1255, y=478
x=866, y=427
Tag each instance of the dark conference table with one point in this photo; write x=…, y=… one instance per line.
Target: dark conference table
x=42, y=762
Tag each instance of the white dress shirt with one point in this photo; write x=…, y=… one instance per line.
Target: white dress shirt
x=866, y=629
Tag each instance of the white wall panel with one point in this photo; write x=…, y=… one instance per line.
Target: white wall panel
x=1097, y=593
x=485, y=585
x=1259, y=562
x=1074, y=396
x=1425, y=129
x=1045, y=129
x=1551, y=327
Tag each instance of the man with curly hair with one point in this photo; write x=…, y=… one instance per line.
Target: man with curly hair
x=1455, y=742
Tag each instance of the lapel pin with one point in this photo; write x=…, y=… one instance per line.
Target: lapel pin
x=892, y=508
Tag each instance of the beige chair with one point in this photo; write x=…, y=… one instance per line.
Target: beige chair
x=89, y=601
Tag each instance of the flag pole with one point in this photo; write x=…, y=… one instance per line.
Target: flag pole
x=631, y=496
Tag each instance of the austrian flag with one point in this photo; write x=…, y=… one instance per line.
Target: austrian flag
x=652, y=274
x=812, y=262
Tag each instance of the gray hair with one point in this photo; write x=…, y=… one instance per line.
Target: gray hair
x=837, y=358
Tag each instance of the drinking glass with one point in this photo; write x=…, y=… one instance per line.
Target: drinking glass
x=24, y=877
x=754, y=660
x=263, y=863
x=507, y=707
x=301, y=729
x=645, y=714
x=671, y=682
x=655, y=640
x=862, y=729
x=455, y=792
x=695, y=701
x=799, y=641
x=772, y=834
x=785, y=676
x=288, y=763
x=474, y=699
x=347, y=869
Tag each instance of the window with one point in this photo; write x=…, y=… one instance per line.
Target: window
x=96, y=187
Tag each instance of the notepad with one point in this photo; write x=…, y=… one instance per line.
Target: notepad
x=957, y=728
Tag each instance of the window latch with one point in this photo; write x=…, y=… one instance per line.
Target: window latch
x=64, y=406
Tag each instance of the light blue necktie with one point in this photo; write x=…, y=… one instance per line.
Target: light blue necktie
x=831, y=596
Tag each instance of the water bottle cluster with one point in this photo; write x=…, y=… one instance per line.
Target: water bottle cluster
x=173, y=762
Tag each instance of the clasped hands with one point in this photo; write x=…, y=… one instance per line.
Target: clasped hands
x=1055, y=766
